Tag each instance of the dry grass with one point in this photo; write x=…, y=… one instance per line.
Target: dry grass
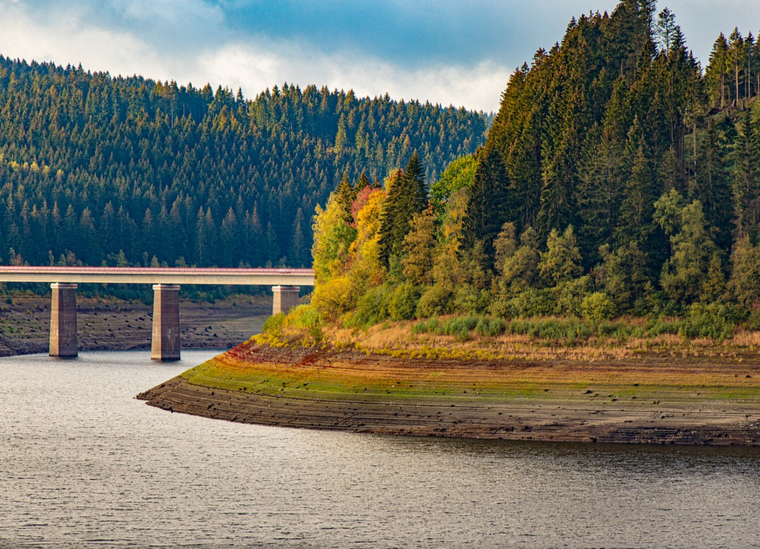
x=398, y=339
x=746, y=338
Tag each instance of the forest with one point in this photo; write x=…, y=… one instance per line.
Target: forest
x=102, y=170
x=619, y=177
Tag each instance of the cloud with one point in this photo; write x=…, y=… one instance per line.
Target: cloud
x=446, y=51
x=225, y=57
x=254, y=67
x=66, y=41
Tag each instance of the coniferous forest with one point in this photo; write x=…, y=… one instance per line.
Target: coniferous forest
x=101, y=170
x=619, y=177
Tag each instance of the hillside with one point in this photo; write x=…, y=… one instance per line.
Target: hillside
x=590, y=274
x=618, y=178
x=100, y=169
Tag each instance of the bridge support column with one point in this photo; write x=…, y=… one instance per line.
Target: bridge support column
x=165, y=344
x=285, y=297
x=63, y=321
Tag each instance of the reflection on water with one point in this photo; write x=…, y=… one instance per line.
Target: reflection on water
x=83, y=464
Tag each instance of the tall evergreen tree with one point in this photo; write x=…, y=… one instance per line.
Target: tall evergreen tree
x=489, y=204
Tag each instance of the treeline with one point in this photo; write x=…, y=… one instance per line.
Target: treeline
x=108, y=170
x=618, y=178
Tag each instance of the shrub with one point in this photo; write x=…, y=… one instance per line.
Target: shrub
x=469, y=299
x=532, y=302
x=598, y=307
x=372, y=308
x=436, y=300
x=501, y=306
x=273, y=325
x=403, y=301
x=429, y=326
x=715, y=320
x=460, y=327
x=572, y=294
x=335, y=297
x=551, y=328
x=306, y=317
x=490, y=327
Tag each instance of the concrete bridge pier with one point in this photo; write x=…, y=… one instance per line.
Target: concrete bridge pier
x=285, y=298
x=165, y=344
x=63, y=321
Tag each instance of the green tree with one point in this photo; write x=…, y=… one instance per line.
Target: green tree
x=684, y=275
x=561, y=262
x=744, y=283
x=419, y=245
x=489, y=202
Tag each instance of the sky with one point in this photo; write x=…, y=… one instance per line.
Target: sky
x=452, y=52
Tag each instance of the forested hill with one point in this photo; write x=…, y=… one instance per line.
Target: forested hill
x=119, y=170
x=653, y=159
x=595, y=130
x=619, y=177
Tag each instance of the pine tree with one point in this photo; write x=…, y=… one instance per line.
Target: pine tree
x=745, y=178
x=297, y=249
x=637, y=206
x=489, y=203
x=404, y=199
x=716, y=71
x=415, y=175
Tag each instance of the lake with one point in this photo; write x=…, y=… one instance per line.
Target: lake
x=84, y=464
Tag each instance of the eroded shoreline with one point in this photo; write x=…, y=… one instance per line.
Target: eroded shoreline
x=348, y=391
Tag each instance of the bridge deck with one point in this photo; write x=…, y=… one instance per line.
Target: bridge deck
x=159, y=275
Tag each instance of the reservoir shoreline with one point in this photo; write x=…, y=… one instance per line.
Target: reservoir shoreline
x=675, y=402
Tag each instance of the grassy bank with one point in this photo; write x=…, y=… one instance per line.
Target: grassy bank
x=401, y=360
x=406, y=378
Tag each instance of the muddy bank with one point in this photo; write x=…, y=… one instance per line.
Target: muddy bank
x=116, y=325
x=482, y=399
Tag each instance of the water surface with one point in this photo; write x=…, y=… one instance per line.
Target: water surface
x=83, y=464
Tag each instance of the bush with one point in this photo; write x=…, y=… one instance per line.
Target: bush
x=572, y=294
x=598, y=307
x=501, y=306
x=490, y=327
x=435, y=301
x=715, y=320
x=335, y=297
x=469, y=299
x=372, y=308
x=307, y=317
x=460, y=327
x=551, y=329
x=532, y=302
x=403, y=301
x=429, y=326
x=273, y=325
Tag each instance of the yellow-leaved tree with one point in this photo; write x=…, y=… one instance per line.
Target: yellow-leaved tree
x=346, y=251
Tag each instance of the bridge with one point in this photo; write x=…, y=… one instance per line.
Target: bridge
x=165, y=344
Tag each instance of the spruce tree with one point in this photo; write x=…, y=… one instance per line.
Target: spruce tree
x=745, y=178
x=489, y=204
x=415, y=175
x=406, y=195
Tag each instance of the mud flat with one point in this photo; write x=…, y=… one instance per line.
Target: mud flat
x=653, y=399
x=116, y=325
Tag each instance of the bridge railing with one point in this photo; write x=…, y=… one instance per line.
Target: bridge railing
x=157, y=275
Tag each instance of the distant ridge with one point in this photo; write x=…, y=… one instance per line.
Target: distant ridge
x=97, y=169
